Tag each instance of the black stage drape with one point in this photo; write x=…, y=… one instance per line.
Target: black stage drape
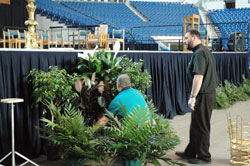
x=13, y=15
x=168, y=71
x=168, y=91
x=14, y=68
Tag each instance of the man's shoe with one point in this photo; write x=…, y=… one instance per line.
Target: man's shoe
x=183, y=155
x=198, y=161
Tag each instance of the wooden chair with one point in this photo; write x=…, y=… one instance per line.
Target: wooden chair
x=82, y=38
x=239, y=134
x=21, y=38
x=39, y=40
x=92, y=41
x=12, y=37
x=73, y=36
x=45, y=38
x=4, y=39
x=59, y=40
x=118, y=35
x=103, y=41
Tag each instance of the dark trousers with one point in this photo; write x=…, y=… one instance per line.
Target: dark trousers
x=199, y=138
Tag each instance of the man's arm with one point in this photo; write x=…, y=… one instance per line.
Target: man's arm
x=102, y=121
x=197, y=81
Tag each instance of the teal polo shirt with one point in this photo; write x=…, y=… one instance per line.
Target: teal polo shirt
x=130, y=98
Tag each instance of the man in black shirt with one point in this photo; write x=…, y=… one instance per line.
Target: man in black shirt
x=202, y=82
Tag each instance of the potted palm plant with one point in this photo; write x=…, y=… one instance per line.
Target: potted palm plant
x=78, y=141
x=54, y=86
x=138, y=141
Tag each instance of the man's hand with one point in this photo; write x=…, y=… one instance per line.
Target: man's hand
x=191, y=103
x=102, y=121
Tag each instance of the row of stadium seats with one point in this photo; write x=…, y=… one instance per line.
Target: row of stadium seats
x=62, y=14
x=120, y=16
x=234, y=19
x=165, y=13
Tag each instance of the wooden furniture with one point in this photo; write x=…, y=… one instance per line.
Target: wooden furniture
x=73, y=37
x=101, y=29
x=92, y=41
x=103, y=41
x=39, y=41
x=118, y=35
x=59, y=40
x=12, y=37
x=45, y=39
x=21, y=39
x=82, y=38
x=191, y=22
x=4, y=39
x=239, y=134
x=13, y=152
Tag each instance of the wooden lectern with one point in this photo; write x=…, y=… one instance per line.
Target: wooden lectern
x=191, y=22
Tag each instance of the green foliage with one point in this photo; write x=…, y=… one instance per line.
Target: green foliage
x=233, y=92
x=245, y=86
x=52, y=86
x=139, y=80
x=70, y=132
x=109, y=69
x=101, y=63
x=140, y=137
x=106, y=70
x=221, y=98
x=230, y=93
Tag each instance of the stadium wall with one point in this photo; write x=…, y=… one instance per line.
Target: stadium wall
x=213, y=4
x=242, y=4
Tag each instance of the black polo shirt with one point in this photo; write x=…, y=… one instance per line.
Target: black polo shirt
x=202, y=62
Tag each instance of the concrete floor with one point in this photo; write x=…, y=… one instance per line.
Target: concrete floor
x=219, y=148
x=219, y=143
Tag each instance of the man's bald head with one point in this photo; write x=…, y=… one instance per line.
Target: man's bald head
x=123, y=81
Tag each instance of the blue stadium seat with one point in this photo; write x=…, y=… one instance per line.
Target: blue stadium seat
x=230, y=16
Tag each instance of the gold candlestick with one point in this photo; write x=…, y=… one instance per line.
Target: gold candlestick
x=31, y=38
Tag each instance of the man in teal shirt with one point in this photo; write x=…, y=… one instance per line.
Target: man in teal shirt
x=128, y=97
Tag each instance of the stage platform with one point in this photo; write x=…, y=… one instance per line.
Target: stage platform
x=168, y=90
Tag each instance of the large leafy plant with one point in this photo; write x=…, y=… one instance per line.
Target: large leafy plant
x=139, y=137
x=97, y=78
x=54, y=86
x=234, y=93
x=245, y=86
x=229, y=93
x=102, y=64
x=97, y=81
x=221, y=98
x=140, y=79
x=77, y=140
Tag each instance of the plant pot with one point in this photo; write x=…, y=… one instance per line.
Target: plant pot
x=87, y=164
x=74, y=162
x=132, y=162
x=118, y=162
x=53, y=152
